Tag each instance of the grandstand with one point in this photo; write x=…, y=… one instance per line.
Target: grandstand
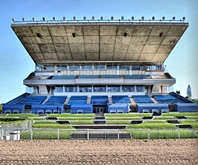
x=99, y=66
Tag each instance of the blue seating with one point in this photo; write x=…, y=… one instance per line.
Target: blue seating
x=135, y=76
x=110, y=76
x=118, y=108
x=43, y=108
x=186, y=107
x=150, y=107
x=87, y=76
x=32, y=100
x=120, y=99
x=167, y=99
x=56, y=100
x=142, y=99
x=185, y=100
x=63, y=77
x=77, y=100
x=17, y=99
x=82, y=108
x=99, y=100
x=12, y=107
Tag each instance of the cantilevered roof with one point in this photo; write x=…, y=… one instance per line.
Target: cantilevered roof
x=149, y=42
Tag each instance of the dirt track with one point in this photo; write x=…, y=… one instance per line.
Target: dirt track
x=183, y=152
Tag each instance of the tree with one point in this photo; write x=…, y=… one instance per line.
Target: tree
x=189, y=91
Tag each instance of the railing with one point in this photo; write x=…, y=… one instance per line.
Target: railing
x=96, y=134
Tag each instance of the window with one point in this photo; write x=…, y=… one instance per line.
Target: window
x=113, y=88
x=99, y=89
x=70, y=88
x=139, y=88
x=58, y=89
x=85, y=89
x=128, y=88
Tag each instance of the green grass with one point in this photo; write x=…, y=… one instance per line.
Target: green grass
x=83, y=122
x=193, y=123
x=118, y=122
x=164, y=118
x=162, y=134
x=128, y=115
x=72, y=115
x=192, y=117
x=75, y=118
x=22, y=115
x=47, y=134
x=123, y=118
x=37, y=118
x=50, y=125
x=152, y=124
x=180, y=114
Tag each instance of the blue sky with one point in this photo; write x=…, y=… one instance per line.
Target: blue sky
x=16, y=64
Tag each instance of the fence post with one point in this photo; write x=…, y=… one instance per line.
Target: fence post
x=178, y=133
x=58, y=133
x=149, y=133
x=31, y=134
x=87, y=134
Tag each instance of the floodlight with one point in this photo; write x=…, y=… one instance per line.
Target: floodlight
x=122, y=18
x=74, y=18
x=163, y=18
x=173, y=18
x=84, y=18
x=43, y=18
x=142, y=18
x=112, y=18
x=53, y=18
x=92, y=17
x=23, y=19
x=153, y=18
x=32, y=18
x=64, y=18
x=183, y=18
x=13, y=19
x=132, y=18
x=101, y=18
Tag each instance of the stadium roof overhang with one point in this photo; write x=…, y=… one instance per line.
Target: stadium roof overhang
x=142, y=42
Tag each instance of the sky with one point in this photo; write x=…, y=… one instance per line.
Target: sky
x=16, y=64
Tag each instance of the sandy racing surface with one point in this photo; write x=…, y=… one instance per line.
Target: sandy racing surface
x=182, y=152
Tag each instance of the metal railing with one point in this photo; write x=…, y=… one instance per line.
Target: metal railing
x=95, y=134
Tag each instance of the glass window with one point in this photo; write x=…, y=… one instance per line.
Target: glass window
x=124, y=67
x=70, y=88
x=113, y=88
x=74, y=67
x=99, y=66
x=128, y=88
x=139, y=88
x=86, y=67
x=85, y=89
x=99, y=89
x=58, y=89
x=111, y=67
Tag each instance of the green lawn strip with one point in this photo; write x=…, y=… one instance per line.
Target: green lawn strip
x=75, y=118
x=50, y=125
x=44, y=122
x=22, y=115
x=193, y=123
x=128, y=115
x=164, y=118
x=180, y=114
x=72, y=115
x=153, y=124
x=88, y=122
x=51, y=134
x=123, y=118
x=162, y=134
x=192, y=117
x=118, y=122
x=36, y=118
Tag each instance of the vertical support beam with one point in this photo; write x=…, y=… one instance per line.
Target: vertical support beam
x=31, y=134
x=87, y=134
